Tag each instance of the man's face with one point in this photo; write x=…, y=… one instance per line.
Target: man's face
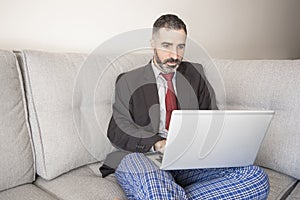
x=168, y=46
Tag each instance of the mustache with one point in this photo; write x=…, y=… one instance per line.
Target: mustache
x=171, y=60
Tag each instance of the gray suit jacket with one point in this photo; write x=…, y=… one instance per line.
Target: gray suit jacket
x=135, y=121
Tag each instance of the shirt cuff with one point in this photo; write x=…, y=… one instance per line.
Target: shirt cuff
x=163, y=133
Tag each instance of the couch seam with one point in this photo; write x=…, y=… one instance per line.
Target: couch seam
x=48, y=192
x=26, y=73
x=289, y=190
x=26, y=113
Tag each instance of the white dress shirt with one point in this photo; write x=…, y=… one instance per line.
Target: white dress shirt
x=162, y=90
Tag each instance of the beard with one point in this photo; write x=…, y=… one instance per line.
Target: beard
x=163, y=66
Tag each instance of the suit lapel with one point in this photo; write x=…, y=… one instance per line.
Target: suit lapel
x=151, y=96
x=186, y=96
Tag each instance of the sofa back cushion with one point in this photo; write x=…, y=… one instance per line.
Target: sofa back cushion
x=268, y=85
x=59, y=139
x=16, y=153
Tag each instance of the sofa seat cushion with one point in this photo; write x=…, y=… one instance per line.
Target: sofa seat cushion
x=280, y=184
x=295, y=193
x=26, y=192
x=16, y=153
x=84, y=183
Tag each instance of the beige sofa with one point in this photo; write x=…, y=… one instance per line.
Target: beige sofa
x=55, y=109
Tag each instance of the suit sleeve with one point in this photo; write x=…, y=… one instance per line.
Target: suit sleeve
x=123, y=132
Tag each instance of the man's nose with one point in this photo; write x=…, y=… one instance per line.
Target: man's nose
x=174, y=54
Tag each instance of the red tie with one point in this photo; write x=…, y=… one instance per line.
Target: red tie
x=170, y=101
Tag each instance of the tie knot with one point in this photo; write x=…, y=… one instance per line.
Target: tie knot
x=168, y=76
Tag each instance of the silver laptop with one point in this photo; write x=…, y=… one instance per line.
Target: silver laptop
x=213, y=139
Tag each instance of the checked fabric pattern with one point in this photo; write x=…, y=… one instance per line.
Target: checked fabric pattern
x=141, y=179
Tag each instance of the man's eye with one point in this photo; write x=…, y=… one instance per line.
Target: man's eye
x=181, y=46
x=165, y=45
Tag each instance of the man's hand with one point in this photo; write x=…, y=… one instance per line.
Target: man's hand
x=160, y=146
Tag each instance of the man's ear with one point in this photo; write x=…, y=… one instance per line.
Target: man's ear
x=152, y=43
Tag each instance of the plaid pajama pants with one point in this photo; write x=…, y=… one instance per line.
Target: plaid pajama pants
x=141, y=179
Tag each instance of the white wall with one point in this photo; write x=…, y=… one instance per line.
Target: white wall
x=227, y=29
